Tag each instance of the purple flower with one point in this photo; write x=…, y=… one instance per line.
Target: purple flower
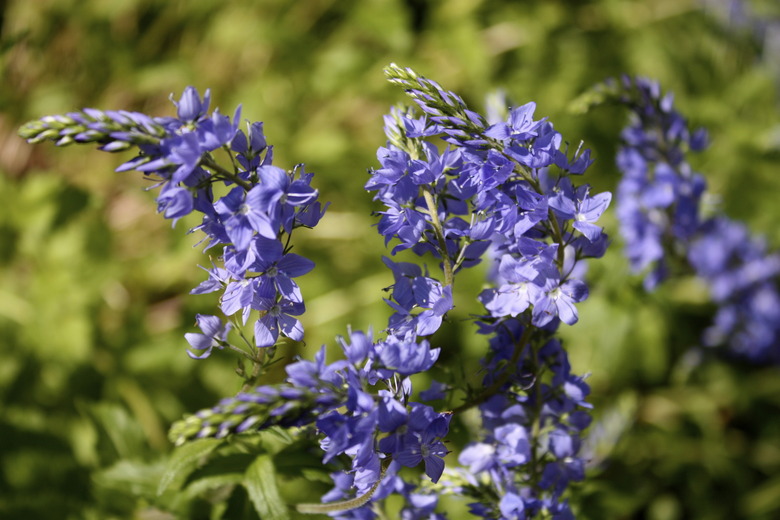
x=214, y=335
x=249, y=147
x=558, y=301
x=174, y=202
x=478, y=456
x=520, y=125
x=579, y=206
x=407, y=357
x=240, y=294
x=190, y=107
x=273, y=264
x=403, y=223
x=422, y=443
x=184, y=152
x=278, y=318
x=420, y=127
x=436, y=391
x=308, y=374
x=511, y=505
x=513, y=447
x=435, y=299
x=218, y=278
x=659, y=208
x=361, y=346
x=243, y=216
x=217, y=130
x=277, y=195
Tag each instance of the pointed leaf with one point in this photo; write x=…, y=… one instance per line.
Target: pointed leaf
x=185, y=460
x=260, y=483
x=202, y=485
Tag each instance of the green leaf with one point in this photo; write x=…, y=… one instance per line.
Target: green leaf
x=260, y=483
x=127, y=484
x=763, y=500
x=203, y=485
x=130, y=477
x=119, y=433
x=184, y=460
x=281, y=434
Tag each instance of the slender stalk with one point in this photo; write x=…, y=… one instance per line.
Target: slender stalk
x=439, y=230
x=209, y=162
x=240, y=351
x=499, y=383
x=257, y=366
x=554, y=228
x=346, y=505
x=233, y=161
x=536, y=425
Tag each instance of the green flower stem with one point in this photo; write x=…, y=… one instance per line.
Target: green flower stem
x=210, y=163
x=504, y=377
x=257, y=367
x=536, y=425
x=439, y=230
x=233, y=161
x=554, y=227
x=346, y=505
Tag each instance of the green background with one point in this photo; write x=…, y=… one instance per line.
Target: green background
x=93, y=284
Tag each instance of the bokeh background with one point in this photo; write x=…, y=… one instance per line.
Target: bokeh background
x=93, y=284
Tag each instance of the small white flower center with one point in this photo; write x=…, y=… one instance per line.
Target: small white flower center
x=520, y=289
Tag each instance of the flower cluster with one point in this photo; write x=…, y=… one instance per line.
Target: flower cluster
x=505, y=189
x=504, y=186
x=360, y=405
x=742, y=278
x=662, y=222
x=659, y=195
x=533, y=429
x=251, y=222
x=453, y=186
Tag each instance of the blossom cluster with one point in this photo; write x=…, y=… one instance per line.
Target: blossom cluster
x=530, y=450
x=503, y=189
x=506, y=186
x=360, y=406
x=662, y=218
x=251, y=222
x=453, y=186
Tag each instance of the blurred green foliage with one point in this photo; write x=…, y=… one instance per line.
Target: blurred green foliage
x=93, y=284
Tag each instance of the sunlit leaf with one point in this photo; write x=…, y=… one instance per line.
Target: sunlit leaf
x=185, y=460
x=260, y=483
